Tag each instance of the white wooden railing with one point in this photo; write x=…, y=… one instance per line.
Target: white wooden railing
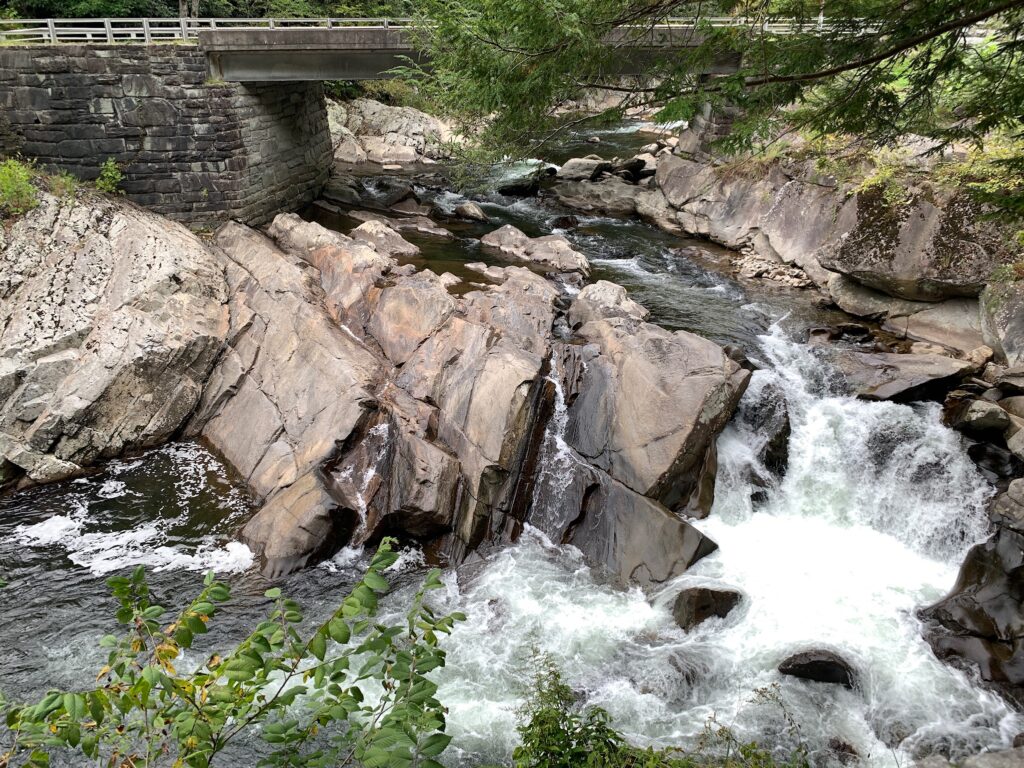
x=155, y=30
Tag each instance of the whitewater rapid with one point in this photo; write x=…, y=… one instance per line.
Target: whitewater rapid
x=871, y=521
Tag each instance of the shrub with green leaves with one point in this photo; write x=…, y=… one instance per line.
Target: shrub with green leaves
x=110, y=177
x=17, y=193
x=351, y=692
x=557, y=732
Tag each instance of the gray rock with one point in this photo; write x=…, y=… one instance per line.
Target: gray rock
x=650, y=404
x=1008, y=507
x=936, y=246
x=472, y=211
x=954, y=323
x=111, y=319
x=980, y=417
x=582, y=168
x=1007, y=758
x=696, y=605
x=890, y=376
x=1002, y=317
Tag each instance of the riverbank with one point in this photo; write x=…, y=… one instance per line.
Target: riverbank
x=372, y=305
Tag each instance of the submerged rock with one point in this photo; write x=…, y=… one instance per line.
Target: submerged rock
x=821, y=666
x=111, y=319
x=698, y=604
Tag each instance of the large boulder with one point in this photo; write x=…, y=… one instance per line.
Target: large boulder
x=292, y=383
x=649, y=408
x=936, y=245
x=111, y=319
x=892, y=376
x=981, y=621
x=552, y=251
x=1002, y=317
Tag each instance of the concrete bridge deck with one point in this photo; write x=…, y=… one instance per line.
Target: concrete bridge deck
x=304, y=50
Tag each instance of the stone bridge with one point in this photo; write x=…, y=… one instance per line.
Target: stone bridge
x=228, y=122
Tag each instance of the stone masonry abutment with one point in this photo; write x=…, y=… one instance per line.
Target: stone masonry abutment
x=192, y=149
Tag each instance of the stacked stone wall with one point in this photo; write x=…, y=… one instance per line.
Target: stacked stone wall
x=192, y=149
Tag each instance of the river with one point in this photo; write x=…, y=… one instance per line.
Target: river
x=872, y=519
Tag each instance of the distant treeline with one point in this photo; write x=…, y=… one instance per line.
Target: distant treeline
x=206, y=8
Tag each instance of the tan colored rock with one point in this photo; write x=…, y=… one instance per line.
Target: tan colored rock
x=552, y=251
x=472, y=211
x=384, y=239
x=602, y=300
x=408, y=312
x=650, y=406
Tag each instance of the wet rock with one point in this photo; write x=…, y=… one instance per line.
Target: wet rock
x=111, y=319
x=552, y=251
x=565, y=222
x=981, y=621
x=1007, y=758
x=698, y=604
x=298, y=525
x=650, y=405
x=995, y=463
x=525, y=187
x=471, y=211
x=891, y=376
x=1008, y=507
x=343, y=190
x=843, y=751
x=977, y=417
x=821, y=666
x=602, y=300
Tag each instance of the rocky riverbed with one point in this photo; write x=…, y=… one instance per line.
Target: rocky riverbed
x=401, y=360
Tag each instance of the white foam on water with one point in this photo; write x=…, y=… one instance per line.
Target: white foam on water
x=53, y=530
x=879, y=506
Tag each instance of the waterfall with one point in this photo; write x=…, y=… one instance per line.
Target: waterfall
x=871, y=520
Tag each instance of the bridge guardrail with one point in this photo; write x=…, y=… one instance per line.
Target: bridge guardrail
x=156, y=30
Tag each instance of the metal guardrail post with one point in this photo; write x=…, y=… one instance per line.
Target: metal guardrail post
x=109, y=30
x=52, y=29
x=147, y=36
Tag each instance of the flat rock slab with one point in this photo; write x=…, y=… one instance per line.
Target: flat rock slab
x=891, y=376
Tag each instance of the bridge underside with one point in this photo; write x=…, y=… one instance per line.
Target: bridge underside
x=303, y=55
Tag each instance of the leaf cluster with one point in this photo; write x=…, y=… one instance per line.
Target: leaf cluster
x=353, y=691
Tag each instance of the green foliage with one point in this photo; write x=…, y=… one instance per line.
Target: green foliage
x=880, y=69
x=994, y=171
x=557, y=733
x=63, y=184
x=888, y=178
x=110, y=177
x=17, y=193
x=351, y=692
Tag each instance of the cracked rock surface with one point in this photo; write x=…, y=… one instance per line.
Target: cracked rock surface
x=111, y=319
